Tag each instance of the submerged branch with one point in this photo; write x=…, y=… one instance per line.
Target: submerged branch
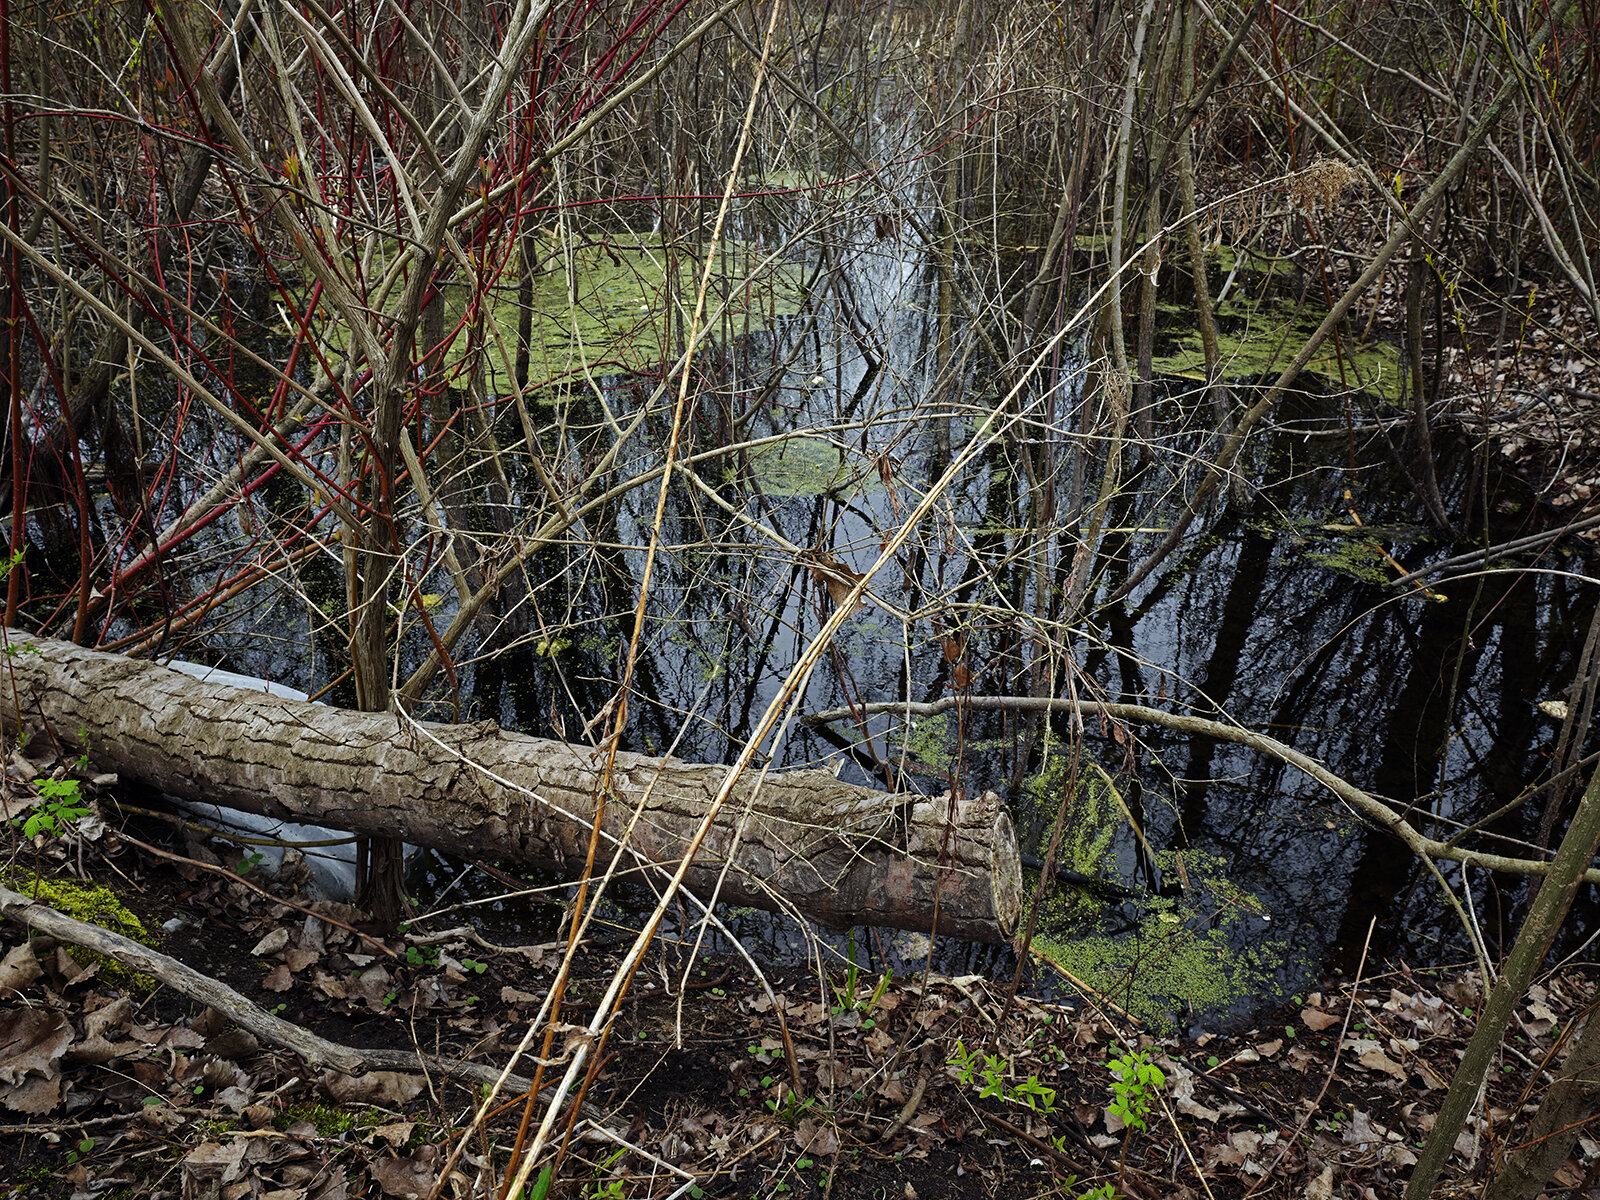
x=1365, y=803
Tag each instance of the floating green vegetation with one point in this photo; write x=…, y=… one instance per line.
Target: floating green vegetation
x=925, y=743
x=95, y=904
x=611, y=311
x=1261, y=336
x=1364, y=561
x=808, y=467
x=1181, y=955
x=1097, y=812
x=1226, y=258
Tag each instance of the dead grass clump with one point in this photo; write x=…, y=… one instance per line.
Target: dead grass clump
x=1321, y=184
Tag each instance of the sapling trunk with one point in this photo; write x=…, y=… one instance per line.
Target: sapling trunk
x=1545, y=915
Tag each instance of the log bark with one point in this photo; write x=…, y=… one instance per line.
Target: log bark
x=836, y=853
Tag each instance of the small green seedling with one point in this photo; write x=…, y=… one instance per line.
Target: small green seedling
x=60, y=806
x=973, y=1068
x=1135, y=1082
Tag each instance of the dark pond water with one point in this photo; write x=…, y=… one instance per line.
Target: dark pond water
x=1255, y=881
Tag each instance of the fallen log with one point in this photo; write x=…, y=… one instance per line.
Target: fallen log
x=836, y=853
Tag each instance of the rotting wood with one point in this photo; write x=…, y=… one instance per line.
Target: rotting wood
x=799, y=840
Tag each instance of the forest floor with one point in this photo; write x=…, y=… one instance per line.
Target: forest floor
x=916, y=1089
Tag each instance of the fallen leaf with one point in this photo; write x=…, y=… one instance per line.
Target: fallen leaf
x=375, y=1087
x=1376, y=1060
x=1321, y=1188
x=1316, y=1020
x=840, y=581
x=175, y=1037
x=71, y=970
x=18, y=969
x=1224, y=1155
x=816, y=1139
x=311, y=935
x=279, y=979
x=35, y=1096
x=234, y=1099
x=219, y=1073
x=397, y=1133
x=406, y=1177
x=233, y=1043
x=373, y=985
x=272, y=943
x=1190, y=1108
x=210, y=1164
x=1431, y=1079
x=31, y=1039
x=108, y=1017
x=299, y=960
x=1362, y=1132
x=1541, y=1020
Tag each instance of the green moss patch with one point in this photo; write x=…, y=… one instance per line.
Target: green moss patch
x=94, y=904
x=328, y=1122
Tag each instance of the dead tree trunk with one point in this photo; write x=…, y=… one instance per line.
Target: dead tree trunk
x=836, y=853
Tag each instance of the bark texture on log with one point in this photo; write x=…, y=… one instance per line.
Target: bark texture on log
x=837, y=853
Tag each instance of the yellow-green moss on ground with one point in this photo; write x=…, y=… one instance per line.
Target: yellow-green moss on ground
x=328, y=1122
x=93, y=903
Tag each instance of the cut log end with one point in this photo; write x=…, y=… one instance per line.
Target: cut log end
x=1005, y=873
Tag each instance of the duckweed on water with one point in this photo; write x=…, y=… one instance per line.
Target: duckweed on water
x=808, y=466
x=926, y=742
x=1180, y=958
x=616, y=314
x=1363, y=561
x=1163, y=968
x=1259, y=336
